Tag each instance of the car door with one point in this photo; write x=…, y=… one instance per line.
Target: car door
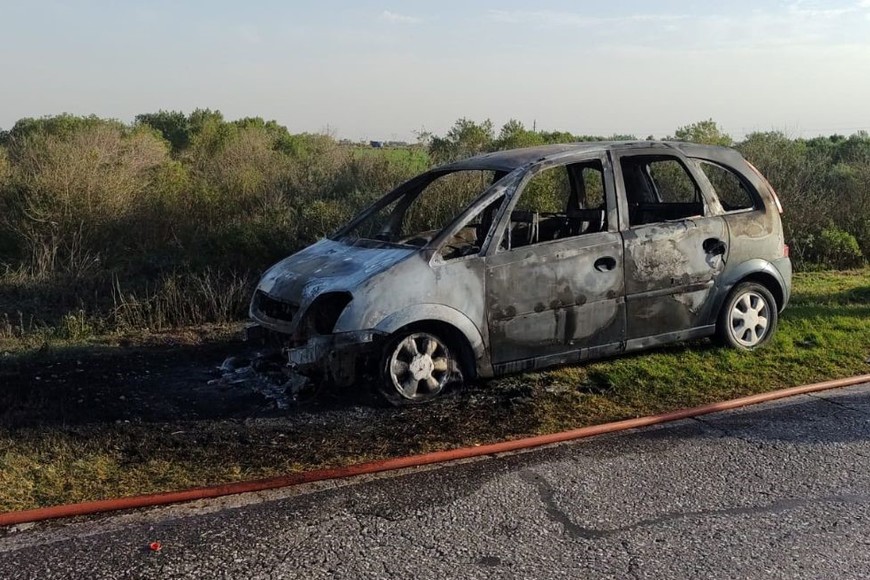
x=554, y=274
x=674, y=247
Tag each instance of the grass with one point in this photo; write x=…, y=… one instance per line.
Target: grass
x=824, y=334
x=77, y=333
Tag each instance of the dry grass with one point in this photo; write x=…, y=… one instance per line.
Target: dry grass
x=178, y=300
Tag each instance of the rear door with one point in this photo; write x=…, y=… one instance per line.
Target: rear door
x=675, y=248
x=555, y=279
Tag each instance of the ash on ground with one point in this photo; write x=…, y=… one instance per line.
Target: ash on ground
x=268, y=375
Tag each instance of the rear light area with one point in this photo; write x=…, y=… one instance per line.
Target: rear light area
x=785, y=251
x=772, y=192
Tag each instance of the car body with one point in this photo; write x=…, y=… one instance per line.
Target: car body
x=566, y=253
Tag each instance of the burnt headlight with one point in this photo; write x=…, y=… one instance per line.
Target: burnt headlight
x=324, y=311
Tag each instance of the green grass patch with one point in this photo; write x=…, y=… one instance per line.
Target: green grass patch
x=824, y=334
x=415, y=159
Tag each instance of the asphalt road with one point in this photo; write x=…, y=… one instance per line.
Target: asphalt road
x=774, y=491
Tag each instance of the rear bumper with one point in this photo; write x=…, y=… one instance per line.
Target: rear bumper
x=783, y=267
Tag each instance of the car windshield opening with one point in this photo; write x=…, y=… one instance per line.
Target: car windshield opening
x=418, y=215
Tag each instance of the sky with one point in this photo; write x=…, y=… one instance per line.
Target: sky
x=369, y=69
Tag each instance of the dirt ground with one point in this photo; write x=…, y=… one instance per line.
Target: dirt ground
x=89, y=423
x=166, y=383
x=105, y=385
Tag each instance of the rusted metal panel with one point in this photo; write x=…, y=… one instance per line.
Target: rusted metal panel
x=551, y=297
x=670, y=278
x=422, y=289
x=515, y=158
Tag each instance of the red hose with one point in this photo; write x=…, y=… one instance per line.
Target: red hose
x=140, y=501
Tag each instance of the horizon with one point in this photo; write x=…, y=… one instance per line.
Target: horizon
x=371, y=71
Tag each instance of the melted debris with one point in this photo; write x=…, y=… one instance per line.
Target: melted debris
x=269, y=375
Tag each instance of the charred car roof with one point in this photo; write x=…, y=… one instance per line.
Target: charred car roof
x=514, y=158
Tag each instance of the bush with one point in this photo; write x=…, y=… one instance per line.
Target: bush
x=69, y=192
x=88, y=207
x=181, y=299
x=838, y=249
x=5, y=169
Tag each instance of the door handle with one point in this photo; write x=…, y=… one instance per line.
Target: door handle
x=714, y=246
x=605, y=264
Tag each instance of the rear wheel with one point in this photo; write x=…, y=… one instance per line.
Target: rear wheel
x=416, y=367
x=749, y=317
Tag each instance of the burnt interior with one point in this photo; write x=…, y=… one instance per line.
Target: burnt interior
x=557, y=203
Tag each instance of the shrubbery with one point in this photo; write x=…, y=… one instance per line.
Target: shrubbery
x=838, y=249
x=824, y=184
x=166, y=221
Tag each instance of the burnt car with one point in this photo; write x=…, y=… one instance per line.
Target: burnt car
x=524, y=259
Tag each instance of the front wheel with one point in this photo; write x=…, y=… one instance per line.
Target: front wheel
x=416, y=367
x=748, y=318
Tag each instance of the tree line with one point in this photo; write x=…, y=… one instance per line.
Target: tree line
x=165, y=221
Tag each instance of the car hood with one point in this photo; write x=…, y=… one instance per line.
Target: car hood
x=327, y=266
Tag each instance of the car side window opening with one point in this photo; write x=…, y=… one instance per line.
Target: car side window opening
x=733, y=192
x=659, y=188
x=556, y=203
x=469, y=239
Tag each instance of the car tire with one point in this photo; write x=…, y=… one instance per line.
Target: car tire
x=748, y=318
x=417, y=366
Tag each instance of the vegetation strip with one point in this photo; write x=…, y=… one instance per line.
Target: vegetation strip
x=95, y=507
x=107, y=226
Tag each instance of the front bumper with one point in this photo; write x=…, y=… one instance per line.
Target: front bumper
x=321, y=348
x=333, y=357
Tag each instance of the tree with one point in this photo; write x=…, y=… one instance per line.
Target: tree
x=63, y=126
x=200, y=119
x=514, y=134
x=174, y=126
x=704, y=132
x=558, y=137
x=465, y=139
x=76, y=194
x=5, y=168
x=209, y=133
x=424, y=137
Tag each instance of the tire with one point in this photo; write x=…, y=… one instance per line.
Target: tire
x=748, y=318
x=417, y=367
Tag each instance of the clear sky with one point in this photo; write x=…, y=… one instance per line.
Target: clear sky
x=381, y=70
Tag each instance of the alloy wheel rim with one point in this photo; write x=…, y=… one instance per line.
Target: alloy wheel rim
x=749, y=319
x=420, y=366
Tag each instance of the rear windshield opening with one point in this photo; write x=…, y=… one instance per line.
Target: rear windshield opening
x=734, y=193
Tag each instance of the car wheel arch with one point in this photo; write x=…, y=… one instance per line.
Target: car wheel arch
x=767, y=280
x=759, y=271
x=436, y=317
